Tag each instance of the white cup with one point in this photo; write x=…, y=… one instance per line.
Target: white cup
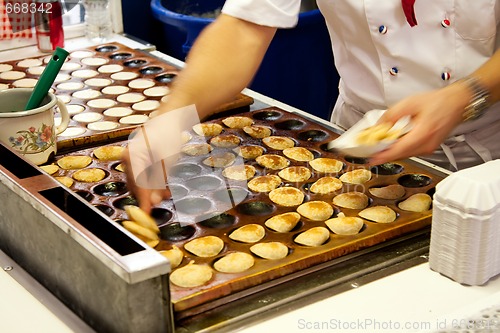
x=31, y=133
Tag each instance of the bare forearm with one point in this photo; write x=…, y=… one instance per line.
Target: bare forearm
x=222, y=62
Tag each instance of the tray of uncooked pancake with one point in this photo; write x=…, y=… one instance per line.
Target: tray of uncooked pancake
x=108, y=89
x=255, y=197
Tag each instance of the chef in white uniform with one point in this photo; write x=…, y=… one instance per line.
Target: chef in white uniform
x=385, y=52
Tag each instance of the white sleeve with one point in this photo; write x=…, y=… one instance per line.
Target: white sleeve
x=273, y=13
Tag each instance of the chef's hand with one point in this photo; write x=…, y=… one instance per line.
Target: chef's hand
x=146, y=197
x=433, y=114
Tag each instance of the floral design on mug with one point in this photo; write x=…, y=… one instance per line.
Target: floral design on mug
x=33, y=140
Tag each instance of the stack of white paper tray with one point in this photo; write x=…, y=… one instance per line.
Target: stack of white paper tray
x=465, y=236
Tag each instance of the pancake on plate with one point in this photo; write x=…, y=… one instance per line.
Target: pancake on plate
x=239, y=172
x=419, y=202
x=358, y=176
x=380, y=214
x=393, y=191
x=283, y=222
x=326, y=185
x=351, y=200
x=295, y=174
x=326, y=165
x=271, y=250
x=89, y=175
x=74, y=162
x=191, y=275
x=315, y=210
x=250, y=233
x=345, y=225
x=257, y=132
x=207, y=129
x=286, y=196
x=235, y=262
x=273, y=162
x=299, y=154
x=313, y=237
x=174, y=256
x=249, y=152
x=221, y=160
x=237, y=122
x=207, y=246
x=225, y=141
x=196, y=149
x=265, y=183
x=109, y=153
x=278, y=142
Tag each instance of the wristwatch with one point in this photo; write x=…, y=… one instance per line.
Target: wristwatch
x=479, y=102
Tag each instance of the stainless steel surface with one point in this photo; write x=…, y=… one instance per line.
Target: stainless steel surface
x=116, y=286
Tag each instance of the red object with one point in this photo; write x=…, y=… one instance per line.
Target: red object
x=409, y=9
x=49, y=26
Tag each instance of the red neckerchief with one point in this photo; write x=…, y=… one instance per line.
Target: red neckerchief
x=409, y=12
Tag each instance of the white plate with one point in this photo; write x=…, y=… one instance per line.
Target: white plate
x=347, y=142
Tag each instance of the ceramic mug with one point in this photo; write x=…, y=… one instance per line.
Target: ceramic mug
x=31, y=133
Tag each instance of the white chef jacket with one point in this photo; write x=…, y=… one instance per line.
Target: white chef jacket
x=381, y=59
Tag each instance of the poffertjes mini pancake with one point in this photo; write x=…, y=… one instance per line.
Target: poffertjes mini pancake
x=315, y=210
x=286, y=196
x=351, y=200
x=343, y=225
x=326, y=185
x=207, y=246
x=66, y=181
x=326, y=165
x=249, y=152
x=265, y=183
x=278, y=142
x=250, y=233
x=358, y=176
x=295, y=174
x=315, y=236
x=257, y=132
x=271, y=250
x=207, y=129
x=74, y=162
x=197, y=149
x=393, y=191
x=174, y=256
x=142, y=218
x=380, y=214
x=50, y=169
x=220, y=160
x=419, y=202
x=300, y=154
x=89, y=175
x=273, y=162
x=283, y=222
x=138, y=229
x=120, y=167
x=225, y=141
x=377, y=133
x=237, y=122
x=235, y=262
x=239, y=172
x=191, y=275
x=109, y=153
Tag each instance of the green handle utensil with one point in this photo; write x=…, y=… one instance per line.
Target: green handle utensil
x=47, y=78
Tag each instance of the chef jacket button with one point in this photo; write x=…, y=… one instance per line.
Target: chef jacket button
x=394, y=71
x=382, y=29
x=445, y=23
x=445, y=76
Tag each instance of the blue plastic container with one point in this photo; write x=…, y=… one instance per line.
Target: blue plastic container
x=298, y=68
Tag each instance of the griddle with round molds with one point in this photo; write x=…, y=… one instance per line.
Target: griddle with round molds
x=109, y=90
x=207, y=203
